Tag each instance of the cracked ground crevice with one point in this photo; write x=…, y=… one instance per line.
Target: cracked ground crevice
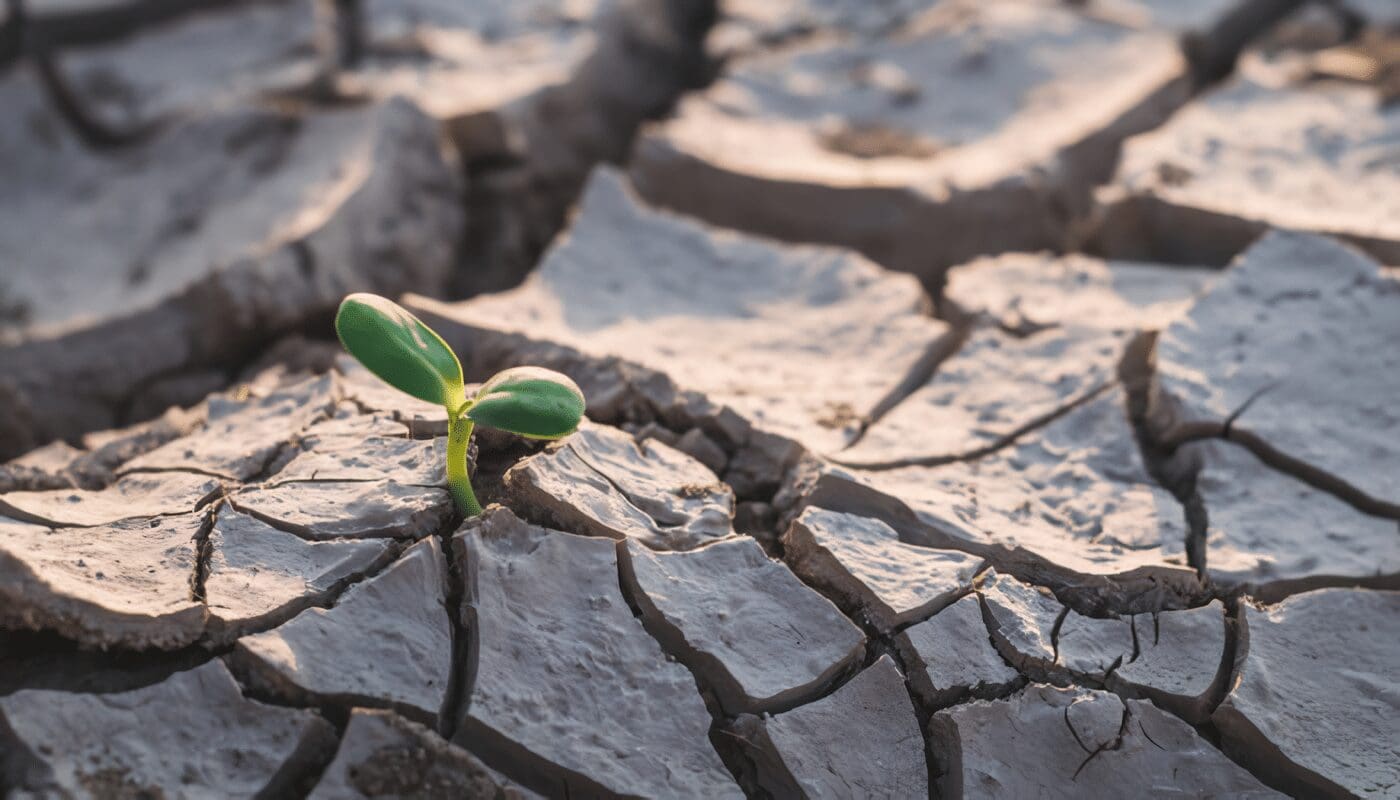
x=753, y=663
x=203, y=553
x=704, y=669
x=1320, y=479
x=820, y=536
x=462, y=671
x=1001, y=443
x=919, y=374
x=400, y=611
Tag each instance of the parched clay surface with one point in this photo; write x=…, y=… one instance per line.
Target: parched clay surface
x=602, y=482
x=1093, y=647
x=803, y=342
x=127, y=584
x=195, y=62
x=1181, y=660
x=1291, y=354
x=1171, y=657
x=749, y=26
x=347, y=421
x=1048, y=333
x=259, y=576
x=1024, y=293
x=1275, y=535
x=996, y=387
x=141, y=495
x=427, y=51
x=59, y=465
x=419, y=49
x=1260, y=152
x=348, y=509
x=386, y=641
x=765, y=642
x=807, y=752
x=914, y=149
x=1074, y=743
x=861, y=563
x=703, y=602
x=1071, y=504
x=384, y=755
x=480, y=59
x=569, y=691
x=1022, y=620
x=250, y=222
x=343, y=186
x=412, y=462
x=192, y=734
x=951, y=656
x=1313, y=707
x=242, y=436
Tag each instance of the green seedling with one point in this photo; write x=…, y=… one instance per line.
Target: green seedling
x=411, y=357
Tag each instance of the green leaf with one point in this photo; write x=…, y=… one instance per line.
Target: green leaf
x=529, y=401
x=400, y=349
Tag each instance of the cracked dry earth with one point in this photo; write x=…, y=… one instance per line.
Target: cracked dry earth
x=1097, y=528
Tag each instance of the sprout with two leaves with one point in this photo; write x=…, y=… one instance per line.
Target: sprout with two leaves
x=409, y=356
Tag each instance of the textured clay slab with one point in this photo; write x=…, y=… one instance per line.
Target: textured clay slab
x=128, y=584
x=1048, y=641
x=346, y=421
x=602, y=482
x=1022, y=619
x=569, y=689
x=348, y=509
x=133, y=496
x=513, y=49
x=918, y=149
x=1276, y=535
x=743, y=621
x=193, y=62
x=733, y=317
x=193, y=734
x=807, y=752
x=385, y=755
x=1073, y=318
x=492, y=58
x=1313, y=707
x=416, y=48
x=386, y=641
x=243, y=435
x=1258, y=153
x=254, y=222
x=44, y=468
x=1057, y=329
x=951, y=656
x=1295, y=346
x=1027, y=292
x=996, y=387
x=861, y=563
x=1180, y=664
x=1075, y=743
x=1069, y=502
x=412, y=462
x=1172, y=657
x=748, y=26
x=1093, y=647
x=259, y=576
